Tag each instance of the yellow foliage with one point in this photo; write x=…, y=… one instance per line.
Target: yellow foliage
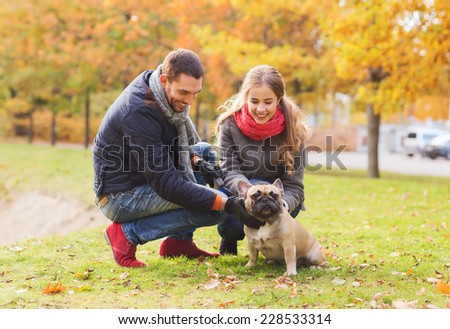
x=69, y=129
x=386, y=37
x=52, y=51
x=431, y=107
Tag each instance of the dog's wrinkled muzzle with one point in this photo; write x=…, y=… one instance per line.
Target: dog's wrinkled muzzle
x=266, y=207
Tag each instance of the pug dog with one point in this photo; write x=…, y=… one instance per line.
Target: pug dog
x=281, y=238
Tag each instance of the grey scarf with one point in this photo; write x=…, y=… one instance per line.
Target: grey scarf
x=181, y=120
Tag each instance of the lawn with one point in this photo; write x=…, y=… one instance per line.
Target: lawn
x=386, y=239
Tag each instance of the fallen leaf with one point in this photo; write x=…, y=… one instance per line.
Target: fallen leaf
x=213, y=283
x=83, y=276
x=69, y=246
x=226, y=303
x=210, y=273
x=430, y=307
x=433, y=280
x=338, y=281
x=82, y=288
x=357, y=300
x=443, y=287
x=20, y=291
x=124, y=275
x=406, y=195
x=409, y=272
x=135, y=292
x=17, y=248
x=377, y=296
x=421, y=291
x=54, y=289
x=293, y=292
x=257, y=291
x=394, y=254
x=402, y=304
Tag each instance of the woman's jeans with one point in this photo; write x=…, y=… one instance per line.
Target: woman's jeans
x=145, y=216
x=231, y=229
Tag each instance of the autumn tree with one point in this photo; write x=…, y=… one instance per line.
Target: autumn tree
x=242, y=34
x=57, y=53
x=392, y=51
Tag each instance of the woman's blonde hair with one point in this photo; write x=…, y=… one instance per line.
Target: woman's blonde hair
x=296, y=131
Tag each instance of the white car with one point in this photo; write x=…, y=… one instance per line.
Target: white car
x=438, y=147
x=417, y=139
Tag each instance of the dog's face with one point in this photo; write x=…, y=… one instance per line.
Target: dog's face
x=263, y=201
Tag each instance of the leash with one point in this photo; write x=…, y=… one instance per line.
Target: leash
x=220, y=185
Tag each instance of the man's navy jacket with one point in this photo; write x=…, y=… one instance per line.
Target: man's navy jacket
x=136, y=145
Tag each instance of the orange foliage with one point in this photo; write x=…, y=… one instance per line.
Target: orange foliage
x=53, y=51
x=54, y=289
x=443, y=287
x=436, y=108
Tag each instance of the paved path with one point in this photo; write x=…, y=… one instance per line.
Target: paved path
x=397, y=163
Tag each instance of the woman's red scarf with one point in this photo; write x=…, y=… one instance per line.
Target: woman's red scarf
x=256, y=131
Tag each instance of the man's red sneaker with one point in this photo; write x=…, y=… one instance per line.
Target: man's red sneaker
x=172, y=247
x=124, y=252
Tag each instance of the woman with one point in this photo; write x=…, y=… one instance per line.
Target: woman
x=260, y=136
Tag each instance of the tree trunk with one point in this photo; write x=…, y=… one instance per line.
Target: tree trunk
x=87, y=108
x=373, y=129
x=31, y=128
x=53, y=130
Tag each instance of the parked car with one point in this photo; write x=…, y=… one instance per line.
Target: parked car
x=438, y=147
x=417, y=139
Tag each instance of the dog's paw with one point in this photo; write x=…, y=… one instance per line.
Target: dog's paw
x=250, y=264
x=290, y=273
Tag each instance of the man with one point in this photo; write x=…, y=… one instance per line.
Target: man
x=144, y=161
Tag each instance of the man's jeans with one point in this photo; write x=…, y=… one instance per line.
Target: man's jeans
x=145, y=216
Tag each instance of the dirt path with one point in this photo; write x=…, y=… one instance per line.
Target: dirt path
x=36, y=215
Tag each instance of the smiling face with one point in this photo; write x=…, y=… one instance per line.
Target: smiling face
x=262, y=103
x=182, y=91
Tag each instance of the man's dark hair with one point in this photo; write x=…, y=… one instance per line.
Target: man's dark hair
x=182, y=61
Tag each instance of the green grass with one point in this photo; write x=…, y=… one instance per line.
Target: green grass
x=52, y=170
x=386, y=239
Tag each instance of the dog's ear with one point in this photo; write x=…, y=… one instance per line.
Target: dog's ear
x=242, y=188
x=278, y=183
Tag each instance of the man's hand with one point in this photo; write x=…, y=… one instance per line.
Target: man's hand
x=235, y=206
x=209, y=171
